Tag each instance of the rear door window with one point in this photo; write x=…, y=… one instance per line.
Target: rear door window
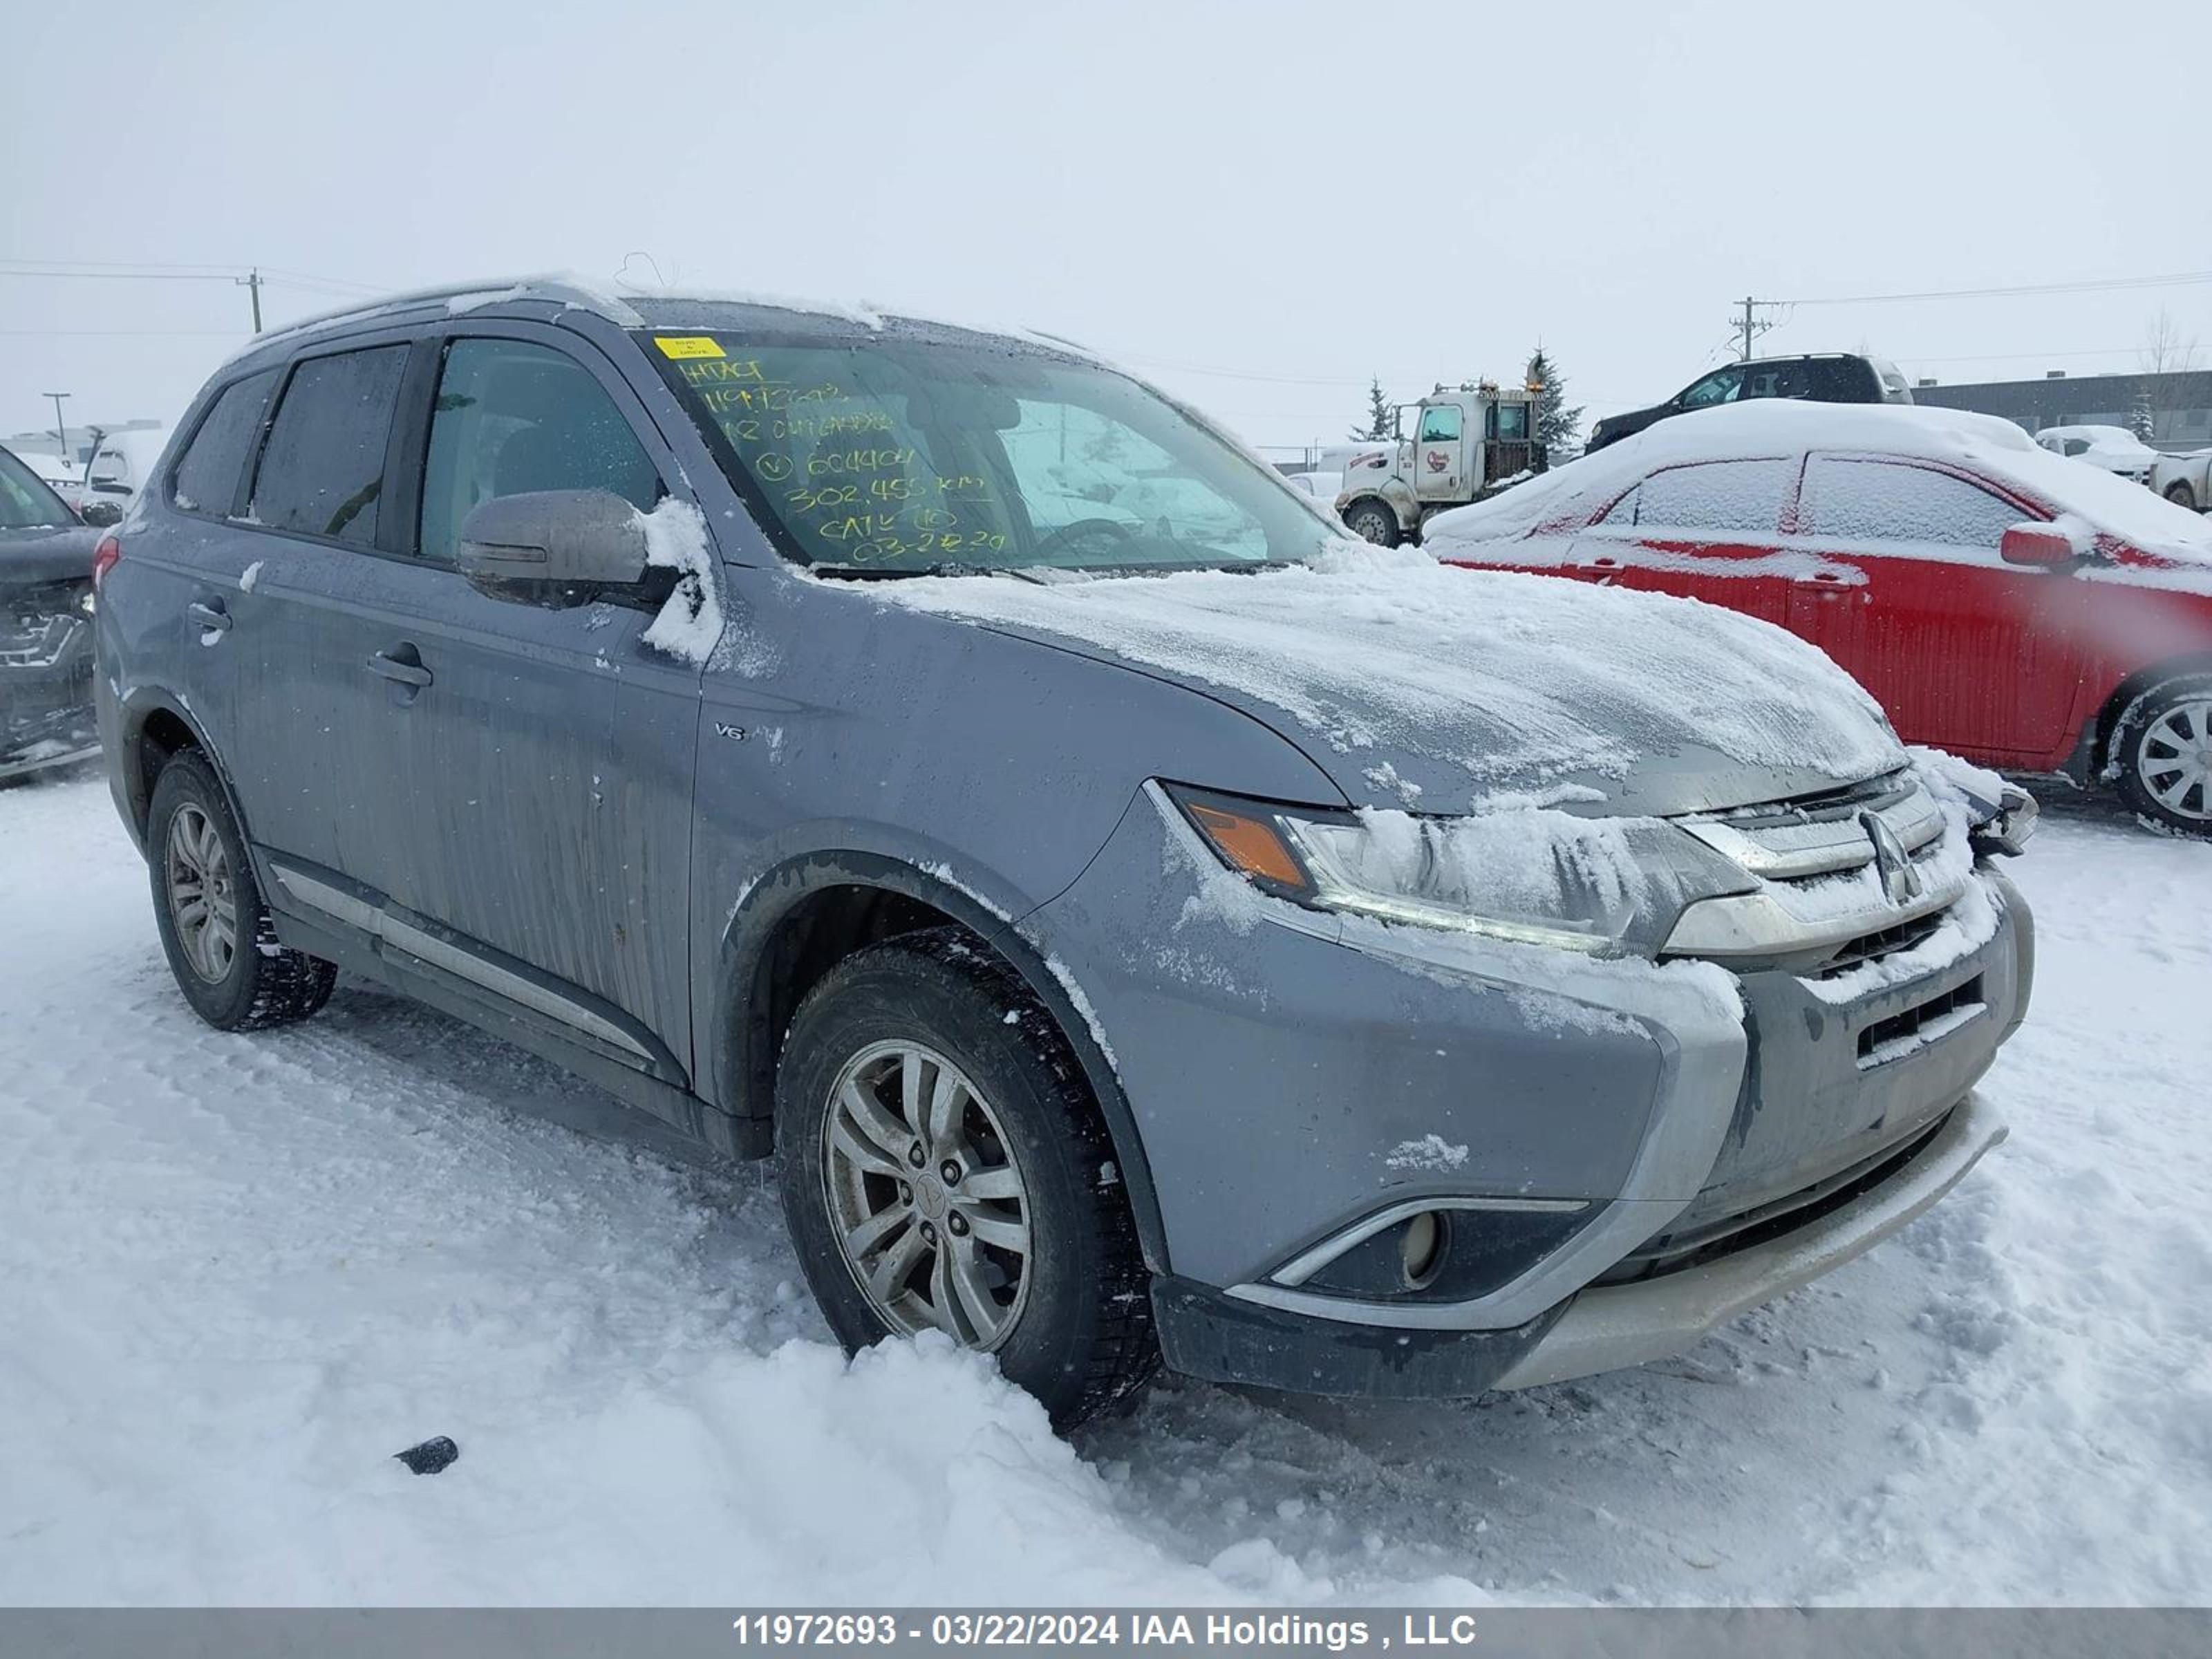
x=1881, y=501
x=1744, y=497
x=207, y=474
x=1839, y=381
x=322, y=469
x=513, y=418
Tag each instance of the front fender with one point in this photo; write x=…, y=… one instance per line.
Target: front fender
x=743, y=1048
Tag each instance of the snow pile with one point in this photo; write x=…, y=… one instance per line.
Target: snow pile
x=691, y=621
x=1779, y=429
x=1472, y=686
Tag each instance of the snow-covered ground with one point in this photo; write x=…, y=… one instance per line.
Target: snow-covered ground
x=237, y=1273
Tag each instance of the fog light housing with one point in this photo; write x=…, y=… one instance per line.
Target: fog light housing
x=1421, y=1249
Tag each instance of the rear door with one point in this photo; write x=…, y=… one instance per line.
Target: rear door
x=306, y=703
x=1903, y=586
x=1707, y=531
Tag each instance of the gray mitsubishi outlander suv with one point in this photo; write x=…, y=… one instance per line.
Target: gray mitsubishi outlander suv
x=1144, y=923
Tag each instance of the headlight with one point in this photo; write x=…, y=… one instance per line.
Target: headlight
x=1540, y=878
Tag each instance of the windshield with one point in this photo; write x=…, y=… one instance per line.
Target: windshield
x=894, y=457
x=26, y=502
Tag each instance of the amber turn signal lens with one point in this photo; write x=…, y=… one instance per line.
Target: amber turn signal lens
x=1250, y=844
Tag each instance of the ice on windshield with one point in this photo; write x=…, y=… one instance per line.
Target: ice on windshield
x=899, y=457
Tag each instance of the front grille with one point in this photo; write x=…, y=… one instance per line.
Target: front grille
x=1875, y=947
x=1815, y=910
x=1908, y=1032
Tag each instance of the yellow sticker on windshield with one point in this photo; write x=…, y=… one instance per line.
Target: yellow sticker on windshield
x=688, y=346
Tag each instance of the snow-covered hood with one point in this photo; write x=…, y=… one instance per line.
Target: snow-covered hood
x=1447, y=691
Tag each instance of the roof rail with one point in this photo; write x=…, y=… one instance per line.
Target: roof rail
x=559, y=287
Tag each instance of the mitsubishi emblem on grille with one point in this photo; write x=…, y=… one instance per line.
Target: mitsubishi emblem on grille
x=1901, y=882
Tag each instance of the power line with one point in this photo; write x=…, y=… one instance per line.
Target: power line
x=118, y=270
x=2178, y=279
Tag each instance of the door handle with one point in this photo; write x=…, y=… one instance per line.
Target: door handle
x=210, y=616
x=1830, y=578
x=404, y=670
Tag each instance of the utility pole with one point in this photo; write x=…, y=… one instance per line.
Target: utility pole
x=252, y=283
x=1749, y=326
x=61, y=431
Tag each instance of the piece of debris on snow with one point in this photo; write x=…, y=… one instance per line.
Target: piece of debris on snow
x=432, y=1454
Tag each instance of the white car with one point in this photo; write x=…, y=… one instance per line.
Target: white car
x=2114, y=449
x=120, y=468
x=2185, y=480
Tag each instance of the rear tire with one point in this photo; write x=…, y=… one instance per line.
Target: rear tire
x=1372, y=520
x=990, y=1212
x=221, y=943
x=2181, y=494
x=2161, y=755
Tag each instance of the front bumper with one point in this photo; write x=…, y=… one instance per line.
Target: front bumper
x=1222, y=1339
x=1615, y=1326
x=46, y=716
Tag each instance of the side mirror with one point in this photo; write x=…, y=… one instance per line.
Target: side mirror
x=552, y=546
x=100, y=514
x=2038, y=546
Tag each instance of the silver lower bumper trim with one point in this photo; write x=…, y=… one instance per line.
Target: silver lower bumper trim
x=1624, y=1325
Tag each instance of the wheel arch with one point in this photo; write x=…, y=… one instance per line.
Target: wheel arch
x=155, y=727
x=807, y=915
x=2123, y=695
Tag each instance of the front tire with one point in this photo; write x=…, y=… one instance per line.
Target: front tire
x=1372, y=520
x=2161, y=755
x=221, y=943
x=944, y=1167
x=2181, y=494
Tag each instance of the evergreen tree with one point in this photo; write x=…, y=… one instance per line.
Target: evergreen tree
x=1558, y=427
x=1382, y=419
x=2142, y=420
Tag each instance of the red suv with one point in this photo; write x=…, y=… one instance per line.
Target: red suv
x=2021, y=610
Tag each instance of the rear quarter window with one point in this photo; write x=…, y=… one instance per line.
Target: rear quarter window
x=322, y=469
x=206, y=477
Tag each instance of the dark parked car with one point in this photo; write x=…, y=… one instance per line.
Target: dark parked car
x=1819, y=378
x=46, y=626
x=939, y=760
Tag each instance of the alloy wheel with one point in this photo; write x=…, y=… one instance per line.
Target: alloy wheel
x=926, y=1195
x=2173, y=759
x=202, y=897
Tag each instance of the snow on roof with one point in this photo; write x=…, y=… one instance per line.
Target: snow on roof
x=1985, y=443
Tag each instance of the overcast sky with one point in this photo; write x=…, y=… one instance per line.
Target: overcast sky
x=1258, y=205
